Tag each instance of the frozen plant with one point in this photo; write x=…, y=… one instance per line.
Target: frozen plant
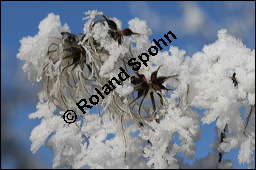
x=136, y=120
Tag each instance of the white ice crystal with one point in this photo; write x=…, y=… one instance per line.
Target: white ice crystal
x=33, y=49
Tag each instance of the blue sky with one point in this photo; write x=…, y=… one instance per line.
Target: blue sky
x=194, y=23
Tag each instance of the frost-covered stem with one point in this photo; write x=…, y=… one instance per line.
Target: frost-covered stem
x=222, y=136
x=248, y=118
x=125, y=143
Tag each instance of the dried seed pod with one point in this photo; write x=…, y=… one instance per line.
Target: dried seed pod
x=115, y=32
x=233, y=78
x=153, y=86
x=60, y=80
